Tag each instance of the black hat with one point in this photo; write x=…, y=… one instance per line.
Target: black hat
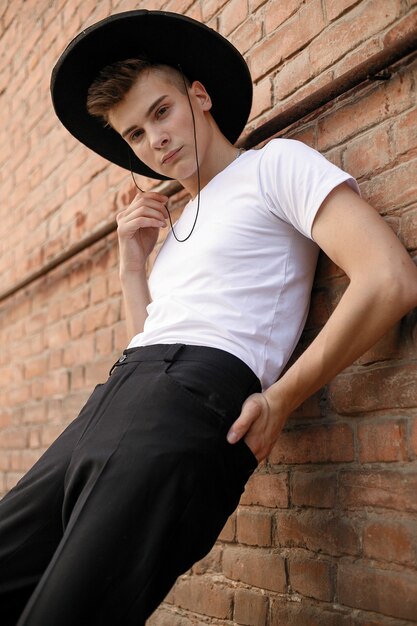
x=163, y=37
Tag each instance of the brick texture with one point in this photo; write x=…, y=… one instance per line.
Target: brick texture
x=325, y=534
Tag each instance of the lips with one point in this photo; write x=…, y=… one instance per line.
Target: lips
x=170, y=156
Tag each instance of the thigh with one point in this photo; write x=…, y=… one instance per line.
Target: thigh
x=31, y=520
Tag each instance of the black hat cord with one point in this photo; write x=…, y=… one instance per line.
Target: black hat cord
x=198, y=169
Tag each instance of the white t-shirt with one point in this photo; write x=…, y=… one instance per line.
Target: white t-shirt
x=242, y=281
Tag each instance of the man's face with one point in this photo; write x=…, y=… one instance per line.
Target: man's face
x=155, y=120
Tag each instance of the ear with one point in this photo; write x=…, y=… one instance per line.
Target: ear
x=201, y=95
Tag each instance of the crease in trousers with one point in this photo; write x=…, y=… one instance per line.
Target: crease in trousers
x=131, y=495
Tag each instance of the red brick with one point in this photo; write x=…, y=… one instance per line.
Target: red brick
x=262, y=98
x=312, y=578
x=319, y=310
x=256, y=567
x=254, y=527
x=314, y=444
x=55, y=359
x=77, y=378
x=405, y=132
x=255, y=4
x=13, y=438
x=12, y=478
x=323, y=531
x=98, y=289
x=276, y=13
x=399, y=180
x=104, y=341
x=76, y=327
x=56, y=383
x=360, y=161
x=315, y=488
x=166, y=616
x=34, y=413
x=73, y=402
x=388, y=592
x=229, y=530
x=34, y=439
x=50, y=433
x=357, y=26
x=19, y=395
x=233, y=14
x=377, y=389
x=293, y=35
x=180, y=6
x=57, y=335
x=413, y=437
x=381, y=489
x=99, y=316
x=292, y=75
x=390, y=540
x=28, y=459
x=304, y=614
x=5, y=418
x=210, y=563
x=359, y=114
x=246, y=35
x=334, y=8
x=35, y=367
x=210, y=7
x=408, y=233
x=98, y=371
x=401, y=28
x=388, y=347
x=381, y=441
x=76, y=301
x=250, y=608
x=310, y=408
x=204, y=596
x=120, y=338
x=79, y=350
x=268, y=490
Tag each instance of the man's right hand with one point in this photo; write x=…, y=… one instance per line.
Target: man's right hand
x=138, y=227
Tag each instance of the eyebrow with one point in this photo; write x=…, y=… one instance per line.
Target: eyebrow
x=148, y=112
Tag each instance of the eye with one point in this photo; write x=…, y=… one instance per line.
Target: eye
x=136, y=135
x=161, y=111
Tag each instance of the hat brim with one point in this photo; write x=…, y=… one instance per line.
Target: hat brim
x=166, y=38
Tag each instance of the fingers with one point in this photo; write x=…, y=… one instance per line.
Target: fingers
x=253, y=408
x=147, y=210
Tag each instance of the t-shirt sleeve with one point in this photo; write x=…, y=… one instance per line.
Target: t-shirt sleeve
x=295, y=179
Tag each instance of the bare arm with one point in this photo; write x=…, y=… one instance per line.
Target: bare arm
x=137, y=230
x=382, y=288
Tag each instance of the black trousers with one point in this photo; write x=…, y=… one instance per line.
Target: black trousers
x=133, y=492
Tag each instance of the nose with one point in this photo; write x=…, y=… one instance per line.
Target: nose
x=159, y=139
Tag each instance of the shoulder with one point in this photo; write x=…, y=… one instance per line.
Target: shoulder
x=291, y=157
x=286, y=148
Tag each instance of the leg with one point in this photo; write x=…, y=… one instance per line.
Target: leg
x=137, y=491
x=31, y=518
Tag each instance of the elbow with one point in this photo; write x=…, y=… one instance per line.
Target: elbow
x=400, y=289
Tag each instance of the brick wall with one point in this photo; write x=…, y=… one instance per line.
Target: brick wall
x=326, y=533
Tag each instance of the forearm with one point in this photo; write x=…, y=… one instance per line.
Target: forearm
x=137, y=227
x=136, y=298
x=363, y=315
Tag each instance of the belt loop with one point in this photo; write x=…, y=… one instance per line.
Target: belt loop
x=118, y=362
x=172, y=352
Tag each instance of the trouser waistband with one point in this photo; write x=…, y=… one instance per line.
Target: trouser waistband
x=181, y=352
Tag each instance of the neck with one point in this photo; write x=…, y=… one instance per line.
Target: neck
x=216, y=157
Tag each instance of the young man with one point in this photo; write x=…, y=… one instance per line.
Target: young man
x=140, y=484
